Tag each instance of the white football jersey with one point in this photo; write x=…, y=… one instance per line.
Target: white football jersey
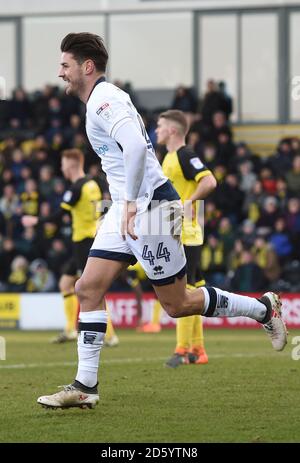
x=108, y=108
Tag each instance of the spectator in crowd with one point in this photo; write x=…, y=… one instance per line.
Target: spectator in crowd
x=9, y=203
x=235, y=257
x=57, y=255
x=213, y=262
x=6, y=178
x=26, y=244
x=269, y=213
x=185, y=100
x=18, y=279
x=7, y=254
x=230, y=198
x=46, y=181
x=293, y=177
x=268, y=180
x=254, y=201
x=194, y=141
x=26, y=157
x=42, y=280
x=247, y=177
x=248, y=276
x=292, y=220
x=226, y=148
x=227, y=236
x=30, y=198
x=280, y=241
x=19, y=112
x=17, y=163
x=210, y=156
x=295, y=145
x=283, y=158
x=247, y=232
x=213, y=101
x=243, y=153
x=228, y=104
x=266, y=258
x=281, y=192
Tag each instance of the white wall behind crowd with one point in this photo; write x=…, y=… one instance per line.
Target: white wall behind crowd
x=156, y=45
x=17, y=7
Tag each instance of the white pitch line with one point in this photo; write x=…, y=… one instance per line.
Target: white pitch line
x=130, y=360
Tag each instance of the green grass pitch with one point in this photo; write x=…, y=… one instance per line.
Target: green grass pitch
x=246, y=393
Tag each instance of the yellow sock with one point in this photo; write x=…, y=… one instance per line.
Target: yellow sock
x=184, y=331
x=197, y=332
x=71, y=309
x=110, y=331
x=156, y=312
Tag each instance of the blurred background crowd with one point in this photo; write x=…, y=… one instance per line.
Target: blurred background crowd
x=252, y=220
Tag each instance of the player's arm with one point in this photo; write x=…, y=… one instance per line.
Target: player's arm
x=134, y=153
x=194, y=169
x=71, y=196
x=134, y=149
x=206, y=185
x=113, y=117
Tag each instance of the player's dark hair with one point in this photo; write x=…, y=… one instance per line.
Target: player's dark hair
x=83, y=46
x=177, y=116
x=74, y=154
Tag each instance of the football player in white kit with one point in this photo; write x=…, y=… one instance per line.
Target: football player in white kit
x=140, y=225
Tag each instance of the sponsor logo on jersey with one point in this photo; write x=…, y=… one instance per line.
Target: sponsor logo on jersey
x=67, y=196
x=101, y=150
x=222, y=302
x=89, y=337
x=158, y=270
x=196, y=163
x=105, y=111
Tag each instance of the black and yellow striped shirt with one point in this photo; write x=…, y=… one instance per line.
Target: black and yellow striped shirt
x=82, y=200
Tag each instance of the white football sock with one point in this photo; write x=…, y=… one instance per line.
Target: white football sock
x=92, y=326
x=224, y=304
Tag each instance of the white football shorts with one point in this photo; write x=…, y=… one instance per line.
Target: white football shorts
x=158, y=247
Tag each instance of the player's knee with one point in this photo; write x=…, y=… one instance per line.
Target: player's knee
x=82, y=289
x=86, y=290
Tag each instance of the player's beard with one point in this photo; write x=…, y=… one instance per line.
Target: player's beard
x=75, y=87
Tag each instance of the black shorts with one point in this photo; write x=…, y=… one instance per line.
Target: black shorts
x=75, y=265
x=192, y=254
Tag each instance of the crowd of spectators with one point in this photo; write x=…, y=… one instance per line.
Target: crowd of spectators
x=252, y=221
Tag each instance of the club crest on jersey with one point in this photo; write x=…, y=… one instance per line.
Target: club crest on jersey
x=196, y=163
x=67, y=196
x=105, y=111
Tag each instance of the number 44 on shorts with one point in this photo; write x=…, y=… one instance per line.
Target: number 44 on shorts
x=162, y=252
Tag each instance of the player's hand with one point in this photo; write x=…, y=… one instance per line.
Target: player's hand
x=29, y=220
x=189, y=210
x=129, y=214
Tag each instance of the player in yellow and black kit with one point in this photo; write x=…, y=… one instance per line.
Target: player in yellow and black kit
x=82, y=201
x=193, y=182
